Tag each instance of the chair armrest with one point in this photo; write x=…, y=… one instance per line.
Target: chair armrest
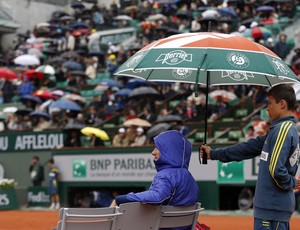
x=94, y=216
x=183, y=212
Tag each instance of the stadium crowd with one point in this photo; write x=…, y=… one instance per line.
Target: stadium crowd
x=66, y=69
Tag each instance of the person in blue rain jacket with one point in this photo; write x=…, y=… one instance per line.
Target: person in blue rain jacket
x=173, y=184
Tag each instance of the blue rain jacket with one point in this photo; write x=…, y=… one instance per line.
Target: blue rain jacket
x=173, y=184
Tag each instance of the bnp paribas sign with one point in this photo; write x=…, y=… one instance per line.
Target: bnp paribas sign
x=29, y=141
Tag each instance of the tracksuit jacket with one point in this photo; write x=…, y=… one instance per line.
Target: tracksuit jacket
x=279, y=159
x=173, y=184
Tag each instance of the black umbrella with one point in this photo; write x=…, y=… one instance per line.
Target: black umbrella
x=40, y=114
x=23, y=111
x=144, y=91
x=169, y=118
x=157, y=129
x=78, y=73
x=70, y=55
x=32, y=98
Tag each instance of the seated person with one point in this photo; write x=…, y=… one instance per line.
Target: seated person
x=173, y=184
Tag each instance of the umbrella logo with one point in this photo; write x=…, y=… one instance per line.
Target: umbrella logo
x=175, y=57
x=135, y=59
x=279, y=66
x=238, y=60
x=237, y=75
x=181, y=73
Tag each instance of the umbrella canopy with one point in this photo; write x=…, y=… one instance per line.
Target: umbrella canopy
x=44, y=94
x=123, y=18
x=137, y=122
x=33, y=73
x=65, y=105
x=26, y=59
x=227, y=11
x=228, y=58
x=157, y=129
x=23, y=111
x=32, y=98
x=223, y=95
x=209, y=59
x=135, y=83
x=7, y=73
x=72, y=65
x=123, y=92
x=40, y=114
x=46, y=69
x=144, y=91
x=110, y=83
x=169, y=118
x=265, y=8
x=78, y=73
x=74, y=97
x=260, y=32
x=90, y=131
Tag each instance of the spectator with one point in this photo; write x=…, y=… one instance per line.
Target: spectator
x=36, y=170
x=54, y=179
x=250, y=133
x=25, y=87
x=1, y=97
x=131, y=114
x=120, y=139
x=7, y=90
x=140, y=138
x=96, y=141
x=69, y=42
x=183, y=129
x=281, y=48
x=148, y=115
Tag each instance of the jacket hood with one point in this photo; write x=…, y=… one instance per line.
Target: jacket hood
x=175, y=150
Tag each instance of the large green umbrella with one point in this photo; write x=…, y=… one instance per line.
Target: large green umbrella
x=209, y=59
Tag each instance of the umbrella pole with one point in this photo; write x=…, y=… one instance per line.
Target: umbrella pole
x=204, y=157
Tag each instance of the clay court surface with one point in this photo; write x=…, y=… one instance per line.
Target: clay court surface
x=46, y=220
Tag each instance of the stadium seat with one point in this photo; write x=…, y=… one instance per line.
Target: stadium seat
x=241, y=113
x=235, y=135
x=199, y=137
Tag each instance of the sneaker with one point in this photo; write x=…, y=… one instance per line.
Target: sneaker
x=52, y=206
x=57, y=206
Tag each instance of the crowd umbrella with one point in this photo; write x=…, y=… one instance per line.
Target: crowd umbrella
x=26, y=60
x=72, y=65
x=157, y=129
x=40, y=114
x=33, y=73
x=44, y=94
x=32, y=98
x=65, y=105
x=110, y=83
x=70, y=55
x=137, y=122
x=224, y=96
x=7, y=73
x=135, y=83
x=265, y=8
x=23, y=111
x=123, y=92
x=169, y=118
x=144, y=91
x=46, y=69
x=227, y=11
x=78, y=73
x=90, y=131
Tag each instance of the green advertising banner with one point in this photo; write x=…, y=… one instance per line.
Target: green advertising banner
x=231, y=172
x=38, y=196
x=8, y=199
x=31, y=141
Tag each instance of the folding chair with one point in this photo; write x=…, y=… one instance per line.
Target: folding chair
x=179, y=216
x=138, y=216
x=87, y=218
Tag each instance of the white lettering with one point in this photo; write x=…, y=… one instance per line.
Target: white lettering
x=3, y=143
x=4, y=201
